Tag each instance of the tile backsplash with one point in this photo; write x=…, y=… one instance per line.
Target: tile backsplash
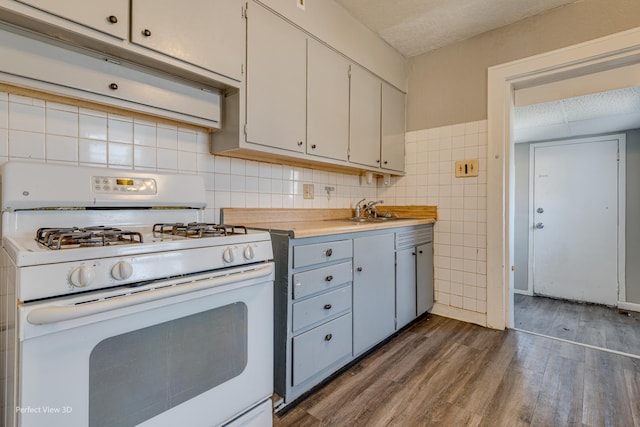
x=460, y=235
x=37, y=130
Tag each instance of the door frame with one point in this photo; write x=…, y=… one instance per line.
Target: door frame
x=622, y=154
x=601, y=54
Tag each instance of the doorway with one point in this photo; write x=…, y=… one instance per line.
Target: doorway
x=607, y=53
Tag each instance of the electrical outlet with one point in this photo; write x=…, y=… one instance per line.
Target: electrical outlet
x=466, y=168
x=307, y=191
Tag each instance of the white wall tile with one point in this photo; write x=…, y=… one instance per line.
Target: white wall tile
x=26, y=145
x=92, y=151
x=119, y=130
x=144, y=134
x=61, y=122
x=64, y=148
x=144, y=157
x=91, y=126
x=167, y=137
x=4, y=115
x=26, y=117
x=120, y=154
x=167, y=159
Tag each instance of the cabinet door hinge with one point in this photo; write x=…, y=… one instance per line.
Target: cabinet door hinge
x=349, y=73
x=244, y=11
x=245, y=130
x=242, y=69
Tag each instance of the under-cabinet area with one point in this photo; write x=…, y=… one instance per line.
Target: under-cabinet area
x=337, y=296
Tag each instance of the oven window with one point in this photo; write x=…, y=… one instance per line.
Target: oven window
x=140, y=374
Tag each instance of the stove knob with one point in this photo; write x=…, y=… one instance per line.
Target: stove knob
x=248, y=253
x=227, y=255
x=122, y=270
x=81, y=276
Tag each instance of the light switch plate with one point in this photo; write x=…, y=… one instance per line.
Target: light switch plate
x=307, y=191
x=466, y=168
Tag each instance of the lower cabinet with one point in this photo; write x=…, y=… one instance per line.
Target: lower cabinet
x=414, y=273
x=335, y=299
x=373, y=291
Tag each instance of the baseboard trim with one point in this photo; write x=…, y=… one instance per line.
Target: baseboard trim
x=631, y=306
x=459, y=314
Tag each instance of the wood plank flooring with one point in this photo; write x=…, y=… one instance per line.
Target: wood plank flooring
x=442, y=372
x=591, y=324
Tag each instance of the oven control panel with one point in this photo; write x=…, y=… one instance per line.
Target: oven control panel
x=123, y=185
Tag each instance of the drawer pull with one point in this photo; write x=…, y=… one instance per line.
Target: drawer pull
x=328, y=252
x=359, y=269
x=419, y=252
x=328, y=278
x=113, y=86
x=327, y=306
x=146, y=32
x=113, y=19
x=328, y=337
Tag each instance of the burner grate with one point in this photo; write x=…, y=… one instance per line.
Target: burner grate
x=76, y=237
x=198, y=229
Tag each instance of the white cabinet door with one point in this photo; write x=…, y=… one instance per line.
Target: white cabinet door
x=327, y=102
x=364, y=136
x=424, y=278
x=205, y=33
x=405, y=287
x=110, y=17
x=276, y=81
x=373, y=290
x=393, y=128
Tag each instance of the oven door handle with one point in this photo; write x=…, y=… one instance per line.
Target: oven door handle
x=53, y=314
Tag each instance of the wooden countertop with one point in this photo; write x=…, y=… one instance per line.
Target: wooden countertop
x=321, y=222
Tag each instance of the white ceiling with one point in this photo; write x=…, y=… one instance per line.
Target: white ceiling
x=414, y=27
x=602, y=112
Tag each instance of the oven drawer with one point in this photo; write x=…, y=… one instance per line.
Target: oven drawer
x=321, y=279
x=321, y=307
x=321, y=252
x=319, y=348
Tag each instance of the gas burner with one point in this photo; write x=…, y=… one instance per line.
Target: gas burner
x=198, y=229
x=75, y=237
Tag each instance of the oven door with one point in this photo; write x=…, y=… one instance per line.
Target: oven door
x=196, y=351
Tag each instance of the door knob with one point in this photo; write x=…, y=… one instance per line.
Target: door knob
x=540, y=210
x=539, y=226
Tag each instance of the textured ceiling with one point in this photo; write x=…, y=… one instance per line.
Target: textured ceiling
x=602, y=112
x=414, y=27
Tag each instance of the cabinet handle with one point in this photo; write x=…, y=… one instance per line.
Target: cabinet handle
x=328, y=252
x=328, y=278
x=299, y=143
x=413, y=253
x=146, y=33
x=327, y=306
x=385, y=162
x=378, y=161
x=419, y=252
x=359, y=269
x=113, y=86
x=328, y=337
x=313, y=146
x=113, y=19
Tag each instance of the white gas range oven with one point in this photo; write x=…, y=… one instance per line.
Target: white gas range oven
x=121, y=307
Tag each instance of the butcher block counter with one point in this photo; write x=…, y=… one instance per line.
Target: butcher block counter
x=321, y=222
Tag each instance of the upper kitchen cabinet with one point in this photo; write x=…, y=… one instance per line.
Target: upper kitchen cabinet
x=276, y=82
x=109, y=17
x=393, y=128
x=201, y=41
x=327, y=102
x=205, y=33
x=364, y=138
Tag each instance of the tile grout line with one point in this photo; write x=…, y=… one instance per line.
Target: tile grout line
x=608, y=350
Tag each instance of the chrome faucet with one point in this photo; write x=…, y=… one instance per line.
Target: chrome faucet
x=359, y=208
x=370, y=208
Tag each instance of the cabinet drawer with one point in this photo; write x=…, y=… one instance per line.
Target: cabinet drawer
x=321, y=252
x=317, y=349
x=321, y=279
x=318, y=308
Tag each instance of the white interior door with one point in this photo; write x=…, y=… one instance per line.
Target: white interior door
x=575, y=219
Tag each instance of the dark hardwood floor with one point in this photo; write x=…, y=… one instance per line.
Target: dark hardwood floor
x=590, y=324
x=442, y=372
